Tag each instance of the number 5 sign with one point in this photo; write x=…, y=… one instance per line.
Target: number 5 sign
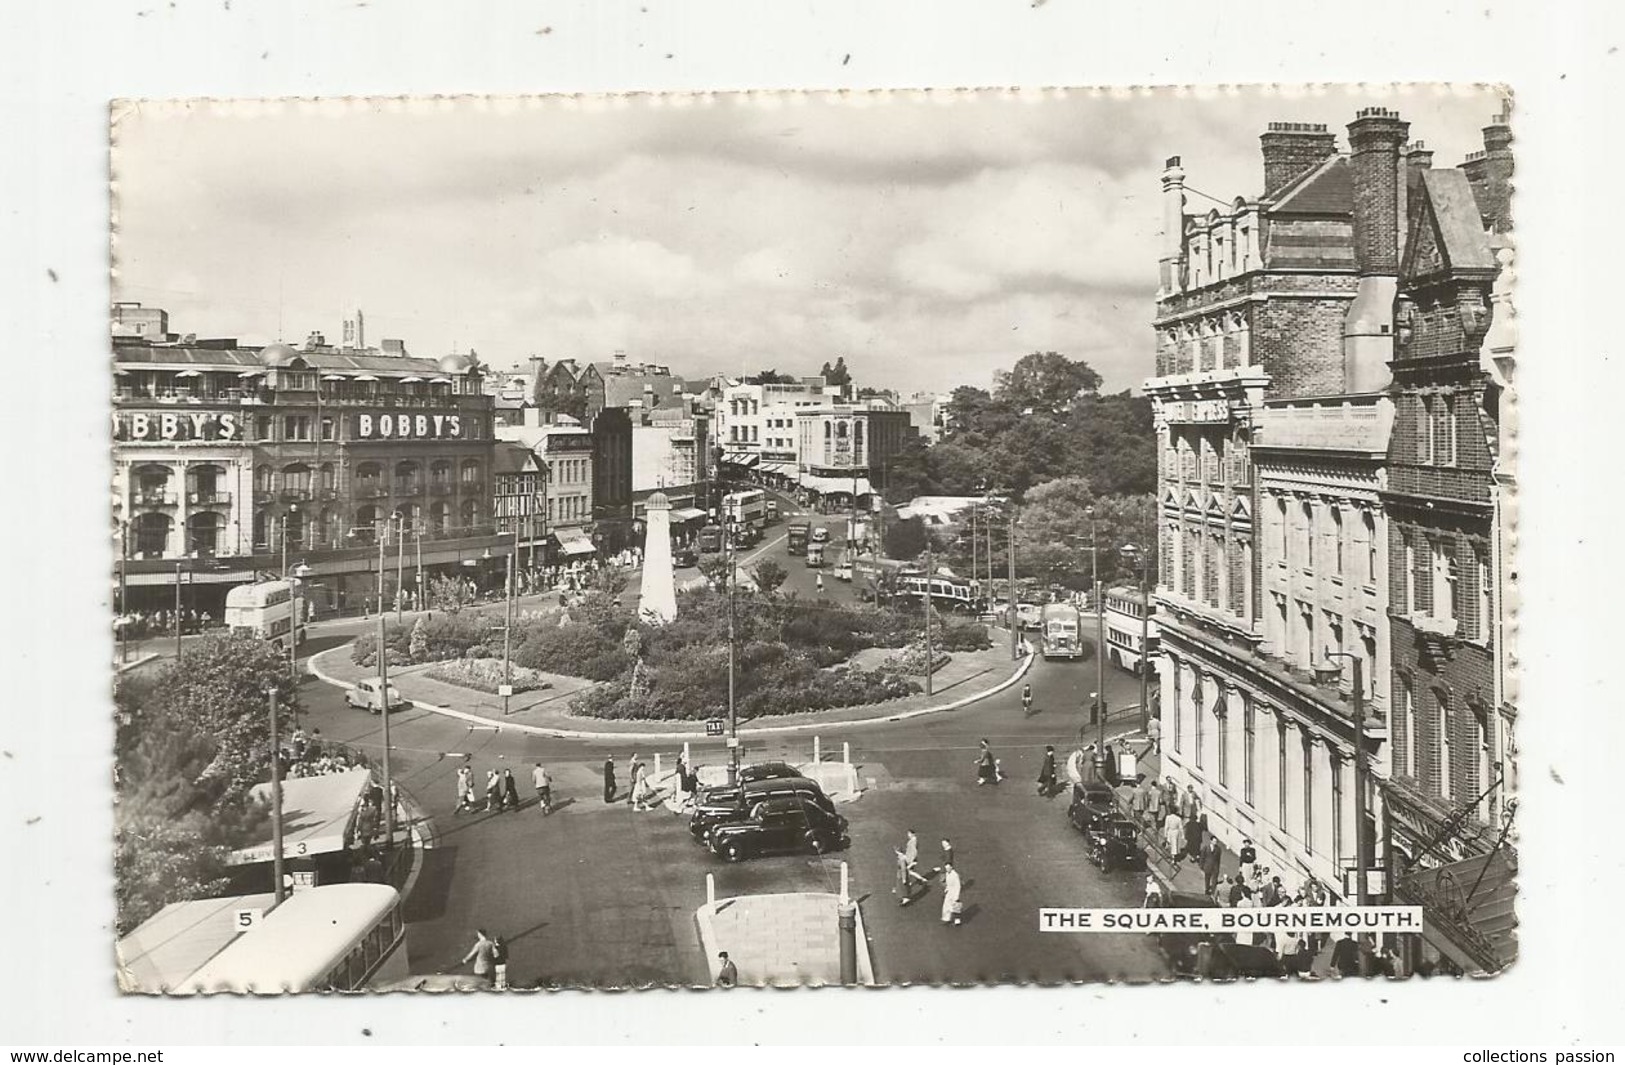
x=247, y=920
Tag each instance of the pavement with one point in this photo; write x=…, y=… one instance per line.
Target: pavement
x=781, y=940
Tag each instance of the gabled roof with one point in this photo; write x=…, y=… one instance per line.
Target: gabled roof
x=512, y=457
x=1328, y=189
x=1446, y=229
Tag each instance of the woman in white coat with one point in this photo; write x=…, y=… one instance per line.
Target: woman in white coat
x=951, y=909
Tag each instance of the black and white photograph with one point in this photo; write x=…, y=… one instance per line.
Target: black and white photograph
x=715, y=540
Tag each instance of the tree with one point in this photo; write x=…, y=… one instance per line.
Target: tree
x=908, y=473
x=770, y=575
x=837, y=374
x=449, y=594
x=905, y=538
x=1046, y=382
x=1053, y=542
x=770, y=377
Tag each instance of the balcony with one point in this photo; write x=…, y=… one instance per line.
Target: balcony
x=294, y=495
x=209, y=499
x=471, y=488
x=408, y=488
x=442, y=488
x=154, y=498
x=370, y=490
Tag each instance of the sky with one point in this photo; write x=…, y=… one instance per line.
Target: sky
x=930, y=238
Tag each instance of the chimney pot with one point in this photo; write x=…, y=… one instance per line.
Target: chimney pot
x=1291, y=149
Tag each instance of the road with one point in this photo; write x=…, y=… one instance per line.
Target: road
x=597, y=894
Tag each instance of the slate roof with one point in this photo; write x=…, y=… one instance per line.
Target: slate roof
x=249, y=358
x=1460, y=226
x=1328, y=189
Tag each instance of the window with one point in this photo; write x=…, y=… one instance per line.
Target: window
x=1443, y=757
x=1249, y=725
x=1486, y=761
x=471, y=473
x=1198, y=692
x=1221, y=712
x=1444, y=430
x=1408, y=594
x=1308, y=536
x=1179, y=709
x=1337, y=807
x=1368, y=525
x=328, y=431
x=262, y=478
x=1308, y=793
x=296, y=427
x=1424, y=429
x=262, y=427
x=1486, y=592
x=1442, y=580
x=1286, y=532
x=1280, y=768
x=1337, y=540
x=1407, y=729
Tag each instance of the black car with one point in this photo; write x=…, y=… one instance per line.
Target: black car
x=767, y=771
x=684, y=557
x=725, y=804
x=779, y=826
x=1090, y=803
x=1113, y=843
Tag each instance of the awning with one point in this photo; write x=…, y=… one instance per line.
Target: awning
x=574, y=545
x=783, y=469
x=1467, y=910
x=686, y=513
x=837, y=485
x=316, y=813
x=741, y=458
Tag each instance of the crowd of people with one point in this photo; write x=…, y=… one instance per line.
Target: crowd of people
x=139, y=624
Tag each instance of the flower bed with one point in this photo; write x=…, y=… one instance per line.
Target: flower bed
x=911, y=660
x=485, y=675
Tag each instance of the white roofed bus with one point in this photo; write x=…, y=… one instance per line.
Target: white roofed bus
x=342, y=937
x=266, y=611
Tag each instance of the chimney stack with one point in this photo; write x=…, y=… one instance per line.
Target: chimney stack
x=1490, y=173
x=1173, y=226
x=1292, y=149
x=1375, y=138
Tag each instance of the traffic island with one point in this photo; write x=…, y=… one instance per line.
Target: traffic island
x=789, y=940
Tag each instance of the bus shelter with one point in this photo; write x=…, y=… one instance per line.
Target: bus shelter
x=318, y=827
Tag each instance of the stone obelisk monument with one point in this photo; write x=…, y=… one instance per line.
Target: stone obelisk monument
x=657, y=601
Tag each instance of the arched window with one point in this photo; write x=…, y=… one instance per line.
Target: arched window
x=440, y=474
x=203, y=533
x=262, y=531
x=368, y=479
x=1337, y=540
x=407, y=517
x=262, y=478
x=469, y=514
x=151, y=535
x=366, y=524
x=439, y=517
x=406, y=478
x=296, y=480
x=1407, y=729
x=470, y=472
x=1368, y=525
x=328, y=529
x=328, y=477
x=293, y=527
x=206, y=483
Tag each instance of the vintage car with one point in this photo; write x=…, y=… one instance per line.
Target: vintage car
x=1113, y=843
x=779, y=826
x=767, y=771
x=1091, y=801
x=734, y=802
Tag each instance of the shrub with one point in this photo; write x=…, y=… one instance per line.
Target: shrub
x=453, y=635
x=485, y=675
x=911, y=660
x=963, y=636
x=575, y=650
x=397, y=636
x=603, y=611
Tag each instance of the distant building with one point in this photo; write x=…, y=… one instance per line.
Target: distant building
x=842, y=450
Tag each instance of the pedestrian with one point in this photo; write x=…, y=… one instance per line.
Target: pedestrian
x=544, y=788
x=465, y=788
x=299, y=741
x=820, y=582
x=1153, y=893
x=1246, y=858
x=1346, y=956
x=510, y=791
x=1153, y=735
x=609, y=778
x=1210, y=866
x=643, y=792
x=481, y=955
x=1046, y=774
x=493, y=791
x=1173, y=833
x=947, y=853
x=1193, y=839
x=1238, y=891
x=1272, y=893
x=1188, y=804
x=499, y=962
x=987, y=767
x=908, y=873
x=632, y=763
x=952, y=908
x=727, y=972
x=1143, y=812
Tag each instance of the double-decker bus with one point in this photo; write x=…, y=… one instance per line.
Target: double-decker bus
x=1061, y=631
x=340, y=937
x=747, y=508
x=266, y=611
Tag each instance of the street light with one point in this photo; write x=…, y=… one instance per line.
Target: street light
x=1100, y=632
x=295, y=577
x=280, y=890
x=1357, y=677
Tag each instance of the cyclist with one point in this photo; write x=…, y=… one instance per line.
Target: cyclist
x=1026, y=698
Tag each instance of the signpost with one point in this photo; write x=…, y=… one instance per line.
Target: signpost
x=714, y=726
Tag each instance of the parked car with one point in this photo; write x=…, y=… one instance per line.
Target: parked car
x=1113, y=843
x=767, y=771
x=779, y=826
x=1091, y=802
x=682, y=557
x=1029, y=616
x=363, y=695
x=725, y=804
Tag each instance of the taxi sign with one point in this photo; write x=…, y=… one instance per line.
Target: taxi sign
x=713, y=726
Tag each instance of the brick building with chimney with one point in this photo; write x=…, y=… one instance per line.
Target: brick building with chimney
x=1281, y=426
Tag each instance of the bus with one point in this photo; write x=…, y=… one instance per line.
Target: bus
x=1061, y=631
x=797, y=532
x=265, y=611
x=747, y=508
x=947, y=593
x=711, y=539
x=815, y=556
x=341, y=937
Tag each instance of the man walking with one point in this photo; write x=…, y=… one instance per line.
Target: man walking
x=544, y=788
x=1046, y=774
x=609, y=778
x=1173, y=834
x=908, y=874
x=482, y=955
x=952, y=909
x=1210, y=866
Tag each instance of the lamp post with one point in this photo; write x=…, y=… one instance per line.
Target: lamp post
x=1357, y=677
x=1010, y=552
x=384, y=702
x=179, y=563
x=400, y=567
x=1145, y=632
x=1100, y=631
x=280, y=890
x=295, y=579
x=733, y=717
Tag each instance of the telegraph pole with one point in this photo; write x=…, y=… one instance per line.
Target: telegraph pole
x=281, y=891
x=1100, y=631
x=733, y=717
x=929, y=571
x=400, y=571
x=1015, y=627
x=383, y=698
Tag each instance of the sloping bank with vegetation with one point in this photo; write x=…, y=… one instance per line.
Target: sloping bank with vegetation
x=792, y=653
